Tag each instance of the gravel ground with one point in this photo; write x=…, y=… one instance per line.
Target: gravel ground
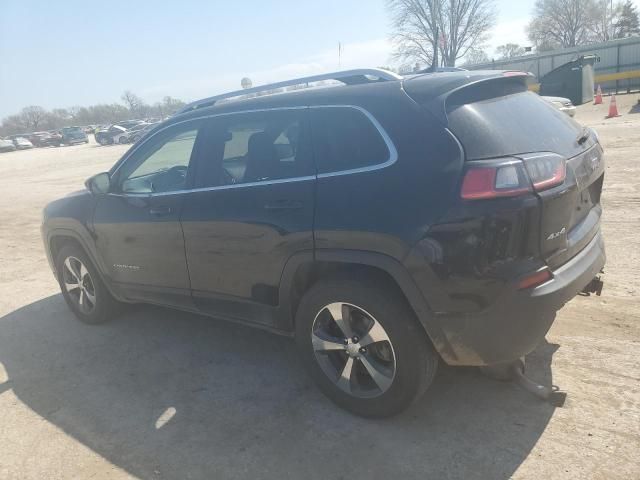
x=158, y=394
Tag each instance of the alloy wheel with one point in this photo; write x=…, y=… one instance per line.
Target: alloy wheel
x=353, y=350
x=79, y=284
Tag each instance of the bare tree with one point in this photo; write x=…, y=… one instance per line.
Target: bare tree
x=32, y=116
x=605, y=15
x=562, y=23
x=475, y=56
x=424, y=29
x=132, y=101
x=414, y=29
x=509, y=50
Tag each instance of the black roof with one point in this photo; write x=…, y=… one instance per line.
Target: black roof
x=430, y=87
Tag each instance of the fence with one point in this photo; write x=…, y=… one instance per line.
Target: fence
x=618, y=68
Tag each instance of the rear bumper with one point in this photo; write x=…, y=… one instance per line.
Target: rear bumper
x=518, y=321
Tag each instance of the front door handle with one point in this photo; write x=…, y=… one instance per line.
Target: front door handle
x=284, y=205
x=160, y=211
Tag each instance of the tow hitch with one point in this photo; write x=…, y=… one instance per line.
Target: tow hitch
x=514, y=372
x=594, y=286
x=518, y=377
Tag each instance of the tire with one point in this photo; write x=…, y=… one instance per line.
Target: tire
x=97, y=306
x=404, y=362
x=122, y=140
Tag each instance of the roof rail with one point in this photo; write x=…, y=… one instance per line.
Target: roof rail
x=348, y=77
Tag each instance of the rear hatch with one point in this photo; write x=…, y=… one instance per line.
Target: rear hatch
x=497, y=117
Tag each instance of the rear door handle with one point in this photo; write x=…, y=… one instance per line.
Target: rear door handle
x=283, y=205
x=160, y=211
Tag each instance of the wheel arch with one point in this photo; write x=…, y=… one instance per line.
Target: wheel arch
x=303, y=270
x=60, y=237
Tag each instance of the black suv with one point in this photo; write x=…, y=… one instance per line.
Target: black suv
x=385, y=224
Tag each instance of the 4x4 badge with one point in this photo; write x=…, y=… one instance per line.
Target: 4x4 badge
x=555, y=235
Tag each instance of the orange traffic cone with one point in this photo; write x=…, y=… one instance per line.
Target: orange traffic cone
x=613, y=108
x=598, y=99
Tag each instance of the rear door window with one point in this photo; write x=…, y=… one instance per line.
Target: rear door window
x=344, y=138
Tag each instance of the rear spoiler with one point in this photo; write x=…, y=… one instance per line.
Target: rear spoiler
x=435, y=91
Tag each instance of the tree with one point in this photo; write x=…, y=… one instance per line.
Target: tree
x=133, y=102
x=509, y=50
x=475, y=56
x=627, y=24
x=35, y=118
x=561, y=23
x=426, y=29
x=32, y=116
x=604, y=14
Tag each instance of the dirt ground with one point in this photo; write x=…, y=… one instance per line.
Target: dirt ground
x=158, y=394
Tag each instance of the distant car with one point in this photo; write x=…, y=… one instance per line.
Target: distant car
x=73, y=135
x=111, y=135
x=45, y=139
x=7, y=146
x=22, y=143
x=136, y=132
x=129, y=123
x=563, y=104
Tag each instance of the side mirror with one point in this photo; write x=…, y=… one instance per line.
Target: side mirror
x=99, y=184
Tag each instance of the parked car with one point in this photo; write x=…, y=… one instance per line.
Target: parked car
x=45, y=139
x=111, y=135
x=136, y=132
x=563, y=104
x=387, y=224
x=22, y=143
x=129, y=123
x=6, y=146
x=73, y=135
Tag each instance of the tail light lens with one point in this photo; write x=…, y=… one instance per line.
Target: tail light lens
x=546, y=170
x=490, y=180
x=512, y=177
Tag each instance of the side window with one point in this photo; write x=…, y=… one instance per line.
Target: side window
x=161, y=163
x=344, y=138
x=255, y=147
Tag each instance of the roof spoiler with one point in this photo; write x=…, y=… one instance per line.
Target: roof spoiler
x=435, y=97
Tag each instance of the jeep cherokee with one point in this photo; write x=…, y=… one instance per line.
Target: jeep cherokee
x=387, y=224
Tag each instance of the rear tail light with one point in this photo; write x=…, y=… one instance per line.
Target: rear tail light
x=489, y=180
x=512, y=177
x=545, y=170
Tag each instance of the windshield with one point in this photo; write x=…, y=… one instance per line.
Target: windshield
x=72, y=130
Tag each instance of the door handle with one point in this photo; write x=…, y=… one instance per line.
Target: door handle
x=160, y=211
x=284, y=205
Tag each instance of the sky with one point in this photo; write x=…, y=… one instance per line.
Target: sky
x=66, y=53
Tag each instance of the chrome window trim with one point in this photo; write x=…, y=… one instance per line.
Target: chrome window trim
x=221, y=187
x=393, y=152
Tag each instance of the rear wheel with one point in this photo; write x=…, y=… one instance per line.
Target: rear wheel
x=82, y=287
x=122, y=140
x=364, y=347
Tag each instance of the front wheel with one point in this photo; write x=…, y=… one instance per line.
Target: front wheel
x=82, y=288
x=122, y=140
x=364, y=347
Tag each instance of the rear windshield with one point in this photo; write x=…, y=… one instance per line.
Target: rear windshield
x=72, y=130
x=520, y=122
